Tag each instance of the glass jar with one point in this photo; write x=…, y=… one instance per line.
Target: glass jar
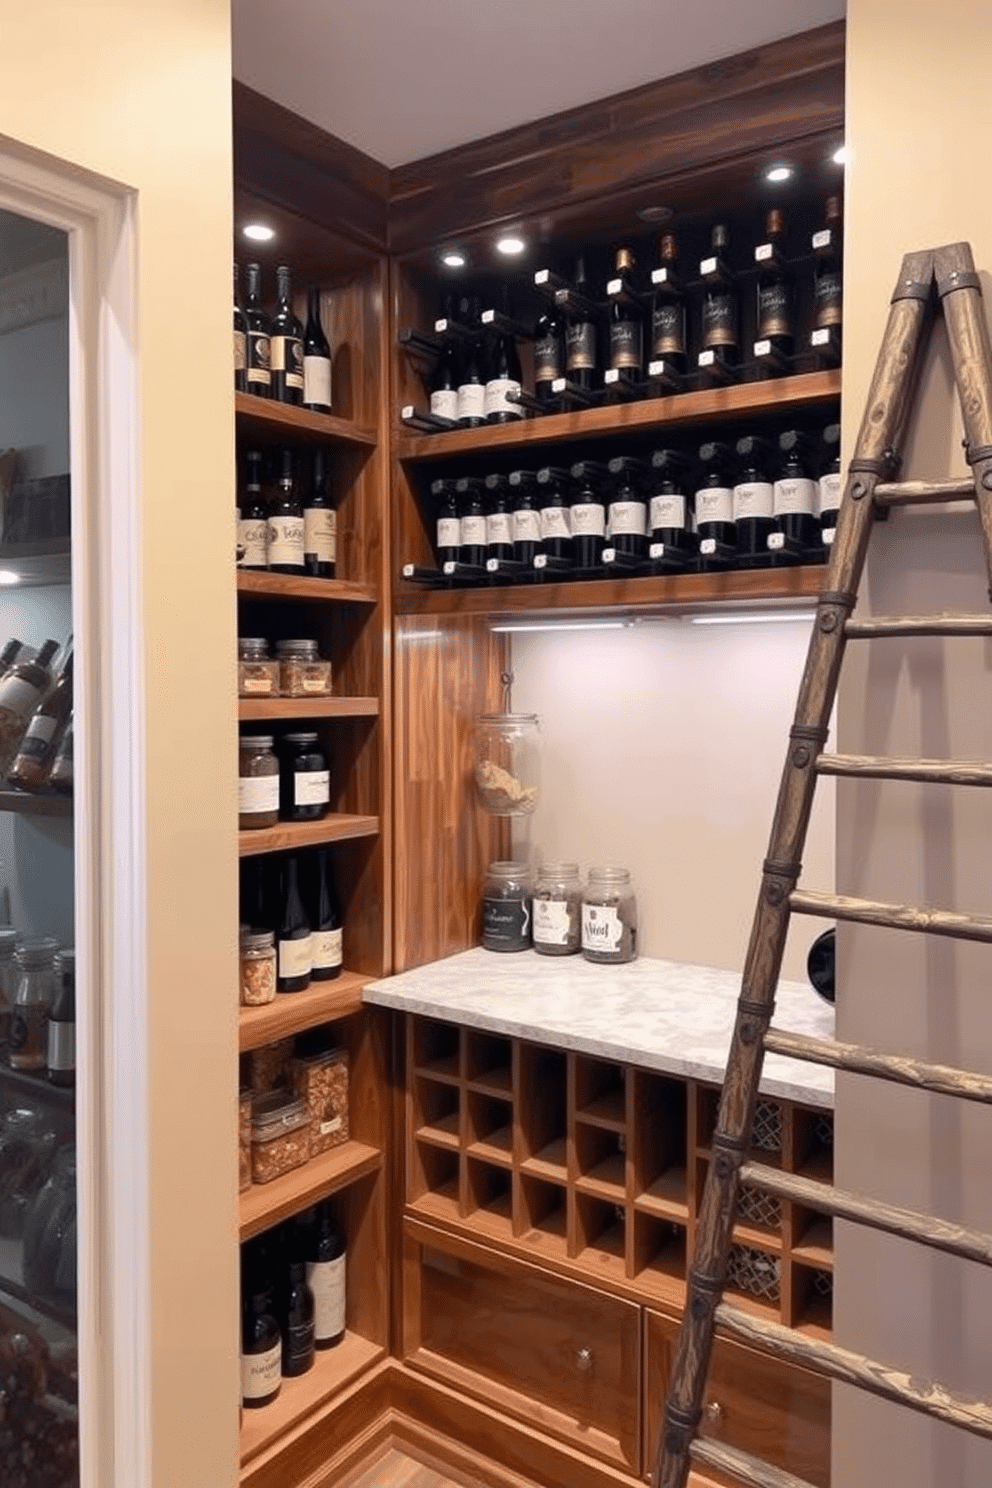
x=50, y=1234
x=302, y=673
x=280, y=1135
x=258, y=967
x=558, y=910
x=506, y=907
x=9, y=941
x=508, y=763
x=258, y=782
x=34, y=959
x=27, y=1142
x=609, y=917
x=304, y=779
x=258, y=674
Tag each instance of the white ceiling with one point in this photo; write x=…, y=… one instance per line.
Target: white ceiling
x=405, y=78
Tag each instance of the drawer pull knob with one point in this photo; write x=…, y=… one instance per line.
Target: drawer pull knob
x=714, y=1412
x=583, y=1359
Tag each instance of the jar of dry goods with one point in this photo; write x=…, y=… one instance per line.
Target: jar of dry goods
x=35, y=959
x=258, y=967
x=508, y=762
x=304, y=780
x=258, y=674
x=609, y=917
x=302, y=673
x=558, y=910
x=506, y=895
x=280, y=1135
x=258, y=782
x=322, y=1081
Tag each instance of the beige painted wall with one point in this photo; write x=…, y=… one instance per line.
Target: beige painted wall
x=917, y=100
x=139, y=91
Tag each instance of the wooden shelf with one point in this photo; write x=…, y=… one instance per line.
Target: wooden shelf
x=257, y=710
x=287, y=836
x=269, y=422
x=26, y=804
x=776, y=395
x=332, y=1370
x=265, y=1204
x=292, y=1012
x=259, y=583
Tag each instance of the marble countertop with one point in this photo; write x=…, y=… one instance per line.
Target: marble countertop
x=661, y=1015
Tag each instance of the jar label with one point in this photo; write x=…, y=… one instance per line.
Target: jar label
x=497, y=400
x=554, y=522
x=667, y=512
x=252, y=538
x=444, y=403
x=311, y=787
x=715, y=504
x=498, y=529
x=448, y=532
x=285, y=540
x=327, y=949
x=261, y=1373
x=317, y=380
x=19, y=697
x=506, y=924
x=588, y=519
x=261, y=686
x=471, y=400
x=628, y=516
x=830, y=489
x=753, y=499
x=258, y=794
x=240, y=351
x=320, y=531
x=602, y=928
x=797, y=495
x=526, y=526
x=61, y=1046
x=551, y=922
x=473, y=532
x=580, y=347
x=295, y=957
x=314, y=681
x=327, y=1282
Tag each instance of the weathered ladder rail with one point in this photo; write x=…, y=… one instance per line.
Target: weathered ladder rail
x=943, y=277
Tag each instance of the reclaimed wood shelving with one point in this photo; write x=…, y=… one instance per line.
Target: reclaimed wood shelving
x=266, y=421
x=265, y=1204
x=338, y=826
x=290, y=1013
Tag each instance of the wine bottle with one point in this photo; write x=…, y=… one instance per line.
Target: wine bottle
x=258, y=373
x=287, y=343
x=240, y=338
x=754, y=503
x=298, y=1341
x=580, y=336
x=588, y=514
x=830, y=484
x=261, y=1352
x=499, y=518
x=795, y=493
x=714, y=496
x=294, y=945
x=448, y=528
x=554, y=506
x=669, y=342
x=670, y=511
x=526, y=520
x=21, y=690
x=721, y=335
x=471, y=522
x=10, y=654
x=626, y=335
x=627, y=516
x=60, y=1062
x=325, y=917
x=326, y=1274
x=549, y=353
x=284, y=530
x=255, y=899
x=252, y=521
x=774, y=310
x=827, y=274
x=504, y=380
x=41, y=739
x=444, y=380
x=316, y=358
x=320, y=524
x=472, y=381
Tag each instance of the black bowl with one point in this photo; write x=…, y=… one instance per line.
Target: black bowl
x=820, y=964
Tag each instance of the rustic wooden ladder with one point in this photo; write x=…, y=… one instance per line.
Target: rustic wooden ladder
x=944, y=279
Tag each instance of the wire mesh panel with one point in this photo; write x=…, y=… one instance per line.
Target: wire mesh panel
x=755, y=1271
x=766, y=1132
x=759, y=1208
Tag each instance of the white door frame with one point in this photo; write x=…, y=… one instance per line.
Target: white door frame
x=110, y=832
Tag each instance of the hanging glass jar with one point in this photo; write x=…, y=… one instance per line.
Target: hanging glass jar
x=508, y=759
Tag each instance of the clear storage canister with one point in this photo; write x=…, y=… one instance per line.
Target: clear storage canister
x=508, y=763
x=609, y=917
x=35, y=959
x=557, y=910
x=258, y=967
x=258, y=673
x=302, y=673
x=506, y=908
x=258, y=782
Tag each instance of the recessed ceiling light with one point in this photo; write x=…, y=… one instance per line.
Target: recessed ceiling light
x=776, y=173
x=258, y=232
x=841, y=155
x=453, y=260
x=511, y=245
x=655, y=214
x=8, y=576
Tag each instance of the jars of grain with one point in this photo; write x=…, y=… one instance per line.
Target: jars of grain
x=609, y=917
x=258, y=674
x=302, y=673
x=258, y=782
x=280, y=1135
x=506, y=908
x=258, y=967
x=558, y=910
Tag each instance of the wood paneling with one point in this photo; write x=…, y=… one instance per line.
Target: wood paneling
x=256, y=710
x=289, y=587
x=292, y=1012
x=265, y=421
x=290, y=836
x=311, y=1453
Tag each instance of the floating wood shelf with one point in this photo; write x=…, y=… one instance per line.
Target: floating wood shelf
x=269, y=422
x=260, y=584
x=265, y=1204
x=26, y=804
x=256, y=710
x=287, y=836
x=680, y=410
x=292, y=1012
x=332, y=1370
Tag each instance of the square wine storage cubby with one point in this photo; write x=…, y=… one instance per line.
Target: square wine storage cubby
x=660, y=1250
x=544, y=1215
x=437, y=1049
x=487, y=1062
x=490, y=1128
x=601, y=1234
x=544, y=1111
x=489, y=1194
x=437, y=1111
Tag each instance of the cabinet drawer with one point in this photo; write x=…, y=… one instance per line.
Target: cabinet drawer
x=761, y=1405
x=559, y=1354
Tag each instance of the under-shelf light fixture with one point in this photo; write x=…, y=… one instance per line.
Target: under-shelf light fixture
x=754, y=617
x=510, y=245
x=777, y=173
x=258, y=232
x=8, y=576
x=520, y=627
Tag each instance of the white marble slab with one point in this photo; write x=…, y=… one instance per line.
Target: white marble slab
x=658, y=1014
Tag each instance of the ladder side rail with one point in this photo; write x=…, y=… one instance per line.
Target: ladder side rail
x=960, y=294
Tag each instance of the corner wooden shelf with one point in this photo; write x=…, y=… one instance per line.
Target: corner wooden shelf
x=332, y=1370
x=265, y=1204
x=679, y=410
x=260, y=584
x=292, y=1012
x=257, y=710
x=23, y=803
x=290, y=836
x=269, y=422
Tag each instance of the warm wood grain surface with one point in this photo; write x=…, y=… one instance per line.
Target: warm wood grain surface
x=255, y=710
x=287, y=586
x=332, y=1370
x=290, y=836
x=265, y=1204
x=267, y=421
x=291, y=1012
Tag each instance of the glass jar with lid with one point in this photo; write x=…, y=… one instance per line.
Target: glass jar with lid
x=304, y=779
x=609, y=917
x=258, y=967
x=506, y=907
x=34, y=958
x=558, y=910
x=302, y=672
x=258, y=674
x=508, y=763
x=258, y=782
x=9, y=941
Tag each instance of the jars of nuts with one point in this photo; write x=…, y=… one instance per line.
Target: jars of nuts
x=304, y=780
x=258, y=782
x=258, y=967
x=609, y=917
x=280, y=1135
x=258, y=674
x=302, y=673
x=506, y=907
x=558, y=910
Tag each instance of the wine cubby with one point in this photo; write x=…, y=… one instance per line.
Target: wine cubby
x=598, y=1167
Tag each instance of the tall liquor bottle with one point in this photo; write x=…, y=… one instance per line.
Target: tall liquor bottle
x=472, y=378
x=287, y=343
x=754, y=499
x=261, y=1350
x=316, y=358
x=627, y=517
x=252, y=547
x=504, y=380
x=581, y=335
x=443, y=382
x=669, y=341
x=320, y=524
x=828, y=245
x=324, y=913
x=774, y=322
x=554, y=504
x=499, y=518
x=471, y=521
x=258, y=372
x=285, y=540
x=240, y=338
x=37, y=748
x=721, y=317
x=626, y=338
x=796, y=494
x=714, y=495
x=549, y=353
x=526, y=517
x=298, y=1320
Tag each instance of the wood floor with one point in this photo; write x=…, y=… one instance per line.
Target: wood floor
x=397, y=1470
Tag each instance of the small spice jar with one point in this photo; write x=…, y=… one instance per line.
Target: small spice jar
x=301, y=671
x=258, y=674
x=506, y=908
x=258, y=967
x=258, y=782
x=304, y=779
x=280, y=1135
x=609, y=917
x=558, y=910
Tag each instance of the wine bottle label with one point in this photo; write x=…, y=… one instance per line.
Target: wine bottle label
x=287, y=357
x=505, y=922
x=299, y=1342
x=580, y=347
x=754, y=499
x=498, y=529
x=526, y=526
x=240, y=351
x=317, y=380
x=588, y=519
x=285, y=540
x=554, y=522
x=715, y=504
x=720, y=319
x=444, y=403
x=773, y=309
x=602, y=928
x=61, y=1046
x=252, y=540
x=261, y=1373
x=830, y=490
x=327, y=1282
x=295, y=957
x=626, y=343
x=667, y=512
x=627, y=517
x=18, y=697
x=471, y=400
x=548, y=360
x=34, y=745
x=259, y=359
x=320, y=531
x=258, y=794
x=473, y=532
x=312, y=788
x=797, y=495
x=551, y=922
x=827, y=299
x=668, y=329
x=327, y=949
x=449, y=531
x=497, y=397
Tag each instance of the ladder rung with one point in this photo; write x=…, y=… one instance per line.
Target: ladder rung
x=923, y=493
x=746, y=1469
x=925, y=1229
x=838, y=1363
x=872, y=767
x=939, y=1079
x=892, y=916
x=918, y=625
